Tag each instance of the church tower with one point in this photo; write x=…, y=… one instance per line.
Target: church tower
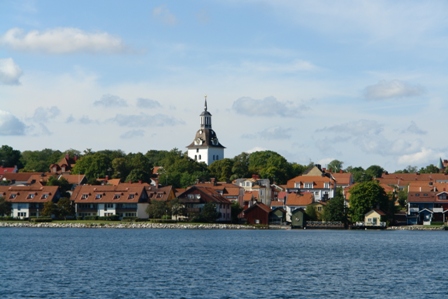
x=205, y=146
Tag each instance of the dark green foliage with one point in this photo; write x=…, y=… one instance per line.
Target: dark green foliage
x=335, y=166
x=208, y=214
x=375, y=171
x=64, y=185
x=366, y=196
x=157, y=209
x=429, y=169
x=235, y=210
x=49, y=209
x=10, y=157
x=270, y=165
x=311, y=212
x=335, y=210
x=240, y=168
x=65, y=208
x=41, y=219
x=359, y=174
x=40, y=161
x=5, y=207
x=221, y=169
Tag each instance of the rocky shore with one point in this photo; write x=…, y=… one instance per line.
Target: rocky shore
x=130, y=225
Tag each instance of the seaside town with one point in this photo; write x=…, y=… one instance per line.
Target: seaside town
x=200, y=185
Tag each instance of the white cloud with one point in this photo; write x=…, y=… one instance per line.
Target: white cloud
x=109, y=101
x=275, y=133
x=9, y=72
x=145, y=120
x=162, y=14
x=148, y=103
x=392, y=89
x=423, y=156
x=42, y=114
x=62, y=41
x=132, y=134
x=10, y=125
x=269, y=106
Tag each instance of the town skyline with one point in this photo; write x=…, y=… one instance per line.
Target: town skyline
x=357, y=81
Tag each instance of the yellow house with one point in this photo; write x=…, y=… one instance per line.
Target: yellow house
x=376, y=218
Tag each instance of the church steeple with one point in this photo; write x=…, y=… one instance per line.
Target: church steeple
x=206, y=117
x=206, y=146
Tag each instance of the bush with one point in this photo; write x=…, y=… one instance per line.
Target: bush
x=110, y=218
x=129, y=219
x=90, y=218
x=41, y=219
x=8, y=218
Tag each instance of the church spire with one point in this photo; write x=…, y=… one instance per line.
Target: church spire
x=205, y=104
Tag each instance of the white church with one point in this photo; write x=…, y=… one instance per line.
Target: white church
x=205, y=146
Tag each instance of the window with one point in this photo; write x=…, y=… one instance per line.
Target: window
x=98, y=196
x=84, y=196
x=12, y=195
x=319, y=209
x=117, y=196
x=199, y=157
x=217, y=157
x=297, y=185
x=213, y=157
x=131, y=196
x=109, y=205
x=30, y=196
x=308, y=185
x=326, y=185
x=44, y=196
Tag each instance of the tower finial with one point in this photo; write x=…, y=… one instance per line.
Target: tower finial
x=205, y=105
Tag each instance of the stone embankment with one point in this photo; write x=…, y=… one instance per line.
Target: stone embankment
x=129, y=225
x=416, y=227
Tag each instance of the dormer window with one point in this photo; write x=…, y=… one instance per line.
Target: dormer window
x=30, y=196
x=12, y=195
x=117, y=196
x=44, y=196
x=98, y=196
x=131, y=196
x=84, y=196
x=308, y=185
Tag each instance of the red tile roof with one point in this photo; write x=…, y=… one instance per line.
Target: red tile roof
x=109, y=194
x=299, y=199
x=28, y=194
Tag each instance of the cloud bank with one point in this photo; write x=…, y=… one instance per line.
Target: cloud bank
x=61, y=41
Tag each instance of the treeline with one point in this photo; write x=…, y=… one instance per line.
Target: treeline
x=177, y=168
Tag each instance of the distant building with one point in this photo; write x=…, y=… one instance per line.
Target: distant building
x=206, y=146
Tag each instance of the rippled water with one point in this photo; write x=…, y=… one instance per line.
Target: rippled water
x=151, y=263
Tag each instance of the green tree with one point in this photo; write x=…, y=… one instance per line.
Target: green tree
x=5, y=207
x=235, y=210
x=93, y=165
x=311, y=213
x=10, y=157
x=270, y=165
x=335, y=210
x=176, y=207
x=40, y=161
x=366, y=196
x=402, y=198
x=375, y=171
x=221, y=169
x=240, y=167
x=429, y=169
x=335, y=166
x=157, y=209
x=359, y=174
x=49, y=209
x=65, y=208
x=62, y=183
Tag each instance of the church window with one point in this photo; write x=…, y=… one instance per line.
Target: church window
x=199, y=157
x=197, y=150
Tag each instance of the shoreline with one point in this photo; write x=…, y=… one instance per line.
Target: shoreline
x=220, y=226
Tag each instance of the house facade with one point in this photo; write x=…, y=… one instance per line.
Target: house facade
x=296, y=200
x=107, y=200
x=426, y=207
x=257, y=214
x=259, y=189
x=322, y=187
x=28, y=201
x=195, y=198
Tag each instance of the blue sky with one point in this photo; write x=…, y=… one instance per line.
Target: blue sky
x=363, y=82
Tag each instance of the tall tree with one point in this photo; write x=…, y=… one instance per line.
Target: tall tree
x=375, y=171
x=5, y=207
x=221, y=169
x=49, y=209
x=157, y=209
x=65, y=208
x=335, y=210
x=366, y=196
x=240, y=167
x=10, y=157
x=40, y=161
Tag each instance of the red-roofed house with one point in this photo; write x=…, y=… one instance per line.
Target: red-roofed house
x=257, y=214
x=297, y=200
x=107, y=200
x=28, y=201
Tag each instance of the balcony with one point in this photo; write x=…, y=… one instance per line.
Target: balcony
x=414, y=210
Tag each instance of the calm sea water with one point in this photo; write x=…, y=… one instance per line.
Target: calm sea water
x=150, y=263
